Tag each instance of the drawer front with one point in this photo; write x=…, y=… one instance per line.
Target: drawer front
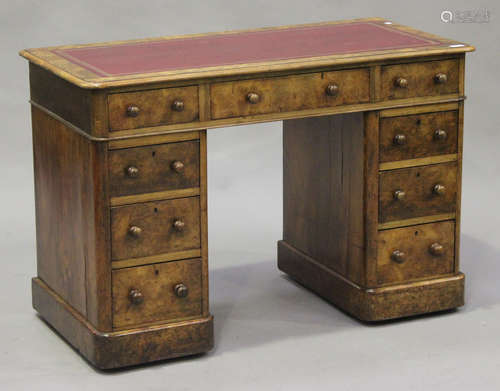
x=417, y=136
x=427, y=190
x=281, y=94
x=419, y=79
x=415, y=252
x=165, y=106
x=159, y=292
x=152, y=228
x=154, y=168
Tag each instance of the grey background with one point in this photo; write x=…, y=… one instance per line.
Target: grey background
x=270, y=333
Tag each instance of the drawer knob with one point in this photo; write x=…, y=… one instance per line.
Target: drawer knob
x=133, y=111
x=398, y=256
x=440, y=135
x=399, y=139
x=332, y=89
x=177, y=166
x=132, y=171
x=253, y=98
x=179, y=225
x=439, y=189
x=178, y=105
x=135, y=296
x=440, y=78
x=436, y=249
x=181, y=290
x=399, y=195
x=401, y=82
x=135, y=231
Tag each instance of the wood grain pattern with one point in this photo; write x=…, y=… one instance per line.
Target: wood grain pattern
x=323, y=190
x=418, y=184
x=156, y=220
x=155, y=168
x=419, y=132
x=420, y=76
x=229, y=99
x=155, y=107
x=415, y=242
x=156, y=283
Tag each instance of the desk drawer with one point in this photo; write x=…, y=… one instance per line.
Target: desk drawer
x=152, y=228
x=419, y=79
x=417, y=136
x=415, y=252
x=281, y=94
x=159, y=292
x=165, y=106
x=154, y=168
x=418, y=191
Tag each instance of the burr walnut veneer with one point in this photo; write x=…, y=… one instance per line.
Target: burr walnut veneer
x=372, y=119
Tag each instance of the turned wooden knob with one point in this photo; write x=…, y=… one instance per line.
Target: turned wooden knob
x=179, y=225
x=135, y=296
x=399, y=139
x=135, y=231
x=181, y=290
x=398, y=256
x=399, y=195
x=332, y=89
x=253, y=98
x=439, y=189
x=436, y=249
x=133, y=111
x=440, y=78
x=132, y=171
x=177, y=166
x=440, y=135
x=401, y=82
x=178, y=105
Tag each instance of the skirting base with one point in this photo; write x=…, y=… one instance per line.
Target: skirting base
x=121, y=348
x=376, y=304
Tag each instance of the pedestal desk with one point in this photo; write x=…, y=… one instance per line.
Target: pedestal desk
x=372, y=117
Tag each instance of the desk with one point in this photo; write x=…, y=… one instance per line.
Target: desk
x=372, y=117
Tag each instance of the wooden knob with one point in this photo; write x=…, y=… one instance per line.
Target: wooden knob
x=179, y=225
x=440, y=78
x=178, y=105
x=132, y=171
x=439, y=189
x=399, y=139
x=401, y=82
x=399, y=195
x=181, y=290
x=177, y=166
x=253, y=98
x=135, y=296
x=440, y=135
x=133, y=111
x=332, y=89
x=398, y=256
x=135, y=231
x=436, y=249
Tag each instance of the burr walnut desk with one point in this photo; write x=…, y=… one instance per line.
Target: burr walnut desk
x=372, y=140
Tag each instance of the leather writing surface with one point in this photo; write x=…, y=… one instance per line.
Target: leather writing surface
x=241, y=48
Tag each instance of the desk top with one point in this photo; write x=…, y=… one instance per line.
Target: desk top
x=124, y=63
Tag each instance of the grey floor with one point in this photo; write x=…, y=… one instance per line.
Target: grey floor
x=270, y=333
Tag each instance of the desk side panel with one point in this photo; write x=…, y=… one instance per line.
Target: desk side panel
x=323, y=191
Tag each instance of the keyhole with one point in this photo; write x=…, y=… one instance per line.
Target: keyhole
x=153, y=153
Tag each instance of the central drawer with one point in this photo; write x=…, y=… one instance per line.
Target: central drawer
x=152, y=228
x=291, y=93
x=418, y=191
x=159, y=292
